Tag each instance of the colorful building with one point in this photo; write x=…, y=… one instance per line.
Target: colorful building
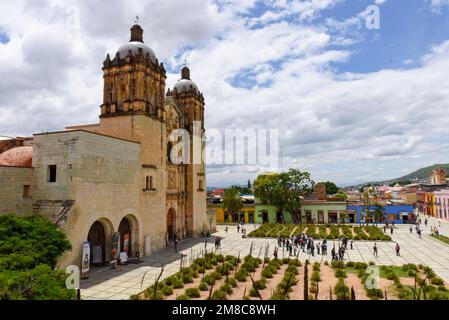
x=312, y=211
x=246, y=214
x=393, y=213
x=441, y=203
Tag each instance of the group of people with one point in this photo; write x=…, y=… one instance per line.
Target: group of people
x=307, y=244
x=241, y=229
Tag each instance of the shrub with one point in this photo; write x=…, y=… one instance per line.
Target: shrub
x=167, y=290
x=218, y=295
x=292, y=269
x=149, y=293
x=203, y=286
x=187, y=278
x=437, y=281
x=371, y=263
x=285, y=261
x=260, y=284
x=177, y=283
x=374, y=293
x=168, y=281
x=183, y=297
x=241, y=276
x=340, y=273
x=316, y=266
x=350, y=264
x=253, y=292
x=226, y=288
x=209, y=279
x=338, y=264
x=295, y=263
x=232, y=282
x=192, y=293
x=316, y=276
x=267, y=273
x=341, y=290
x=361, y=265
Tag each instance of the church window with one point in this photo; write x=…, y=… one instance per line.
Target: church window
x=51, y=173
x=169, y=148
x=26, y=191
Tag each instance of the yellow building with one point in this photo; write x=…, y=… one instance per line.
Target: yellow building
x=246, y=213
x=430, y=202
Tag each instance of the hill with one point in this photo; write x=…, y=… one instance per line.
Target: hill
x=422, y=173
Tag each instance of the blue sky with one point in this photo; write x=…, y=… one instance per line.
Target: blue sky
x=350, y=104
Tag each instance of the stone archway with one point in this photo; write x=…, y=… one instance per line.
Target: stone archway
x=99, y=238
x=171, y=223
x=129, y=235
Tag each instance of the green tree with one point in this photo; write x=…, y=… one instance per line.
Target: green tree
x=331, y=188
x=232, y=203
x=284, y=190
x=29, y=250
x=379, y=212
x=26, y=242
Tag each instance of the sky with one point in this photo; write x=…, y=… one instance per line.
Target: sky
x=352, y=100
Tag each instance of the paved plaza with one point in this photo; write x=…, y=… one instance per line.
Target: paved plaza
x=107, y=283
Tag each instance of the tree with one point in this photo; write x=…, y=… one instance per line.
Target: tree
x=232, y=203
x=379, y=212
x=29, y=250
x=249, y=184
x=284, y=190
x=331, y=188
x=26, y=242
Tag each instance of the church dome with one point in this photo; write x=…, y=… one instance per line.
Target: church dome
x=135, y=43
x=134, y=47
x=185, y=82
x=17, y=157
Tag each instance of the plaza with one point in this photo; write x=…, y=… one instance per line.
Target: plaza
x=110, y=284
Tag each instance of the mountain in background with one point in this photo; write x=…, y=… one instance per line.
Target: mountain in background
x=420, y=174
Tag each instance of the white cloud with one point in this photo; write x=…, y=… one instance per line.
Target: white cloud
x=339, y=126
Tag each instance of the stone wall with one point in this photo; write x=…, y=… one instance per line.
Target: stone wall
x=12, y=182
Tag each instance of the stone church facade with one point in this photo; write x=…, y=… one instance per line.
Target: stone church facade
x=116, y=177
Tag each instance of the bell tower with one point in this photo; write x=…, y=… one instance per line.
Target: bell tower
x=134, y=80
x=191, y=101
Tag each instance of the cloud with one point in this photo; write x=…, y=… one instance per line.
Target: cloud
x=259, y=67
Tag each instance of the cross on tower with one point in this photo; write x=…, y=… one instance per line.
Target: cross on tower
x=137, y=20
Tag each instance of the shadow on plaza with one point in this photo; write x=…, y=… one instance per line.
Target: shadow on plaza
x=164, y=257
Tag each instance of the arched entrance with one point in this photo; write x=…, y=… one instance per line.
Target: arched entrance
x=129, y=235
x=171, y=223
x=125, y=236
x=99, y=238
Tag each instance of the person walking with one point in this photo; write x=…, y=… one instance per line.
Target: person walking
x=226, y=229
x=275, y=252
x=238, y=228
x=411, y=229
x=166, y=239
x=391, y=230
x=425, y=222
x=318, y=246
x=351, y=244
x=385, y=228
x=398, y=250
x=176, y=244
x=375, y=250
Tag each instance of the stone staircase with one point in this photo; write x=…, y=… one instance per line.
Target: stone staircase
x=55, y=210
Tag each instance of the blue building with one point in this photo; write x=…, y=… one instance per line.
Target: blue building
x=393, y=213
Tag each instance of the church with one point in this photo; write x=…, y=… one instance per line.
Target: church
x=115, y=179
